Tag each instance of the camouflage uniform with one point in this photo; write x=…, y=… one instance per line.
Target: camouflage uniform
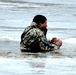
x=34, y=38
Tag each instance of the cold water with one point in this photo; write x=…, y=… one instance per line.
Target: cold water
x=15, y=15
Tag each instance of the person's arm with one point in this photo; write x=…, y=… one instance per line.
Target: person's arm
x=45, y=44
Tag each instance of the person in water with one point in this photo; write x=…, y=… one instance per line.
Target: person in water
x=34, y=38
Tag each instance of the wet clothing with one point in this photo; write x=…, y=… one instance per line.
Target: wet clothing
x=34, y=39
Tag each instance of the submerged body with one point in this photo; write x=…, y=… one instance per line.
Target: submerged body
x=34, y=38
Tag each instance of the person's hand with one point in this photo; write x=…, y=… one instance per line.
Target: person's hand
x=56, y=41
x=59, y=43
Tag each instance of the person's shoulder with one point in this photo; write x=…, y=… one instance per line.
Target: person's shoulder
x=28, y=27
x=36, y=32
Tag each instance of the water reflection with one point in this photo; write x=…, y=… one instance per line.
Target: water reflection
x=41, y=54
x=37, y=67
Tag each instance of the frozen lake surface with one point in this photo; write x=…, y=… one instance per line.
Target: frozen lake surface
x=15, y=15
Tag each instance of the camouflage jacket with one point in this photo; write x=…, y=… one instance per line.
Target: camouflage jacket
x=34, y=38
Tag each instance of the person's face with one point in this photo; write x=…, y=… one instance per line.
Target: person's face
x=43, y=25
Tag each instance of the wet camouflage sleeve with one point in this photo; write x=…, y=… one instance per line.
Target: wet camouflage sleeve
x=44, y=44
